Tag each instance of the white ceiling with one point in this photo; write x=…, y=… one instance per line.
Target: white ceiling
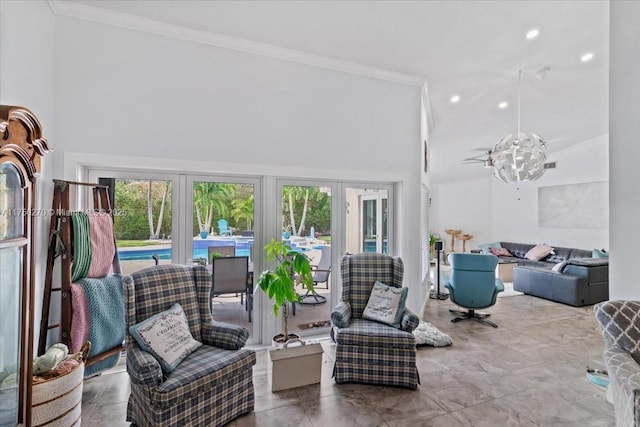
x=470, y=48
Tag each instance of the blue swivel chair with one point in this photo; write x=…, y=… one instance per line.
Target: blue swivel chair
x=473, y=285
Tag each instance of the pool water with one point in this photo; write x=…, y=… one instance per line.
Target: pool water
x=200, y=249
x=165, y=253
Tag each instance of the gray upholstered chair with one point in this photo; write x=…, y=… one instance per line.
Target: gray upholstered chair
x=620, y=323
x=231, y=276
x=367, y=351
x=473, y=285
x=211, y=386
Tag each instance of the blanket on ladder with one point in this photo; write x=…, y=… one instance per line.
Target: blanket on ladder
x=105, y=302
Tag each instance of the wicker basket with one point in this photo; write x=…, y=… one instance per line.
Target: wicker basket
x=57, y=402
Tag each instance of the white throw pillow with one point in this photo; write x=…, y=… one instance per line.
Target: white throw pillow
x=538, y=252
x=167, y=336
x=386, y=304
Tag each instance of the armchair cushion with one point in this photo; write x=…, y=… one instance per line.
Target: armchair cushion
x=362, y=332
x=341, y=314
x=202, y=371
x=166, y=335
x=224, y=335
x=386, y=304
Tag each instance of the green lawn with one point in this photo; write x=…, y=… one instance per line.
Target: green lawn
x=136, y=243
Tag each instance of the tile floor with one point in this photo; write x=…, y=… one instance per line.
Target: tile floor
x=528, y=372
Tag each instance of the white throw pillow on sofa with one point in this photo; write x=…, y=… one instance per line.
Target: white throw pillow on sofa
x=538, y=252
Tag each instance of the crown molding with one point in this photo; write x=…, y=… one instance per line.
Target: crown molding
x=132, y=22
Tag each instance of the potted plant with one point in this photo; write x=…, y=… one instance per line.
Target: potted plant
x=291, y=269
x=294, y=366
x=433, y=238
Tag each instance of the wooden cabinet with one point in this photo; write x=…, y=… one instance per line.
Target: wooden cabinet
x=21, y=147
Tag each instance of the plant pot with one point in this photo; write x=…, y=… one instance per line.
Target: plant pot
x=294, y=365
x=204, y=234
x=279, y=341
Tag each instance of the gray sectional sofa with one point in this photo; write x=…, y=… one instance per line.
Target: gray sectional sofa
x=581, y=279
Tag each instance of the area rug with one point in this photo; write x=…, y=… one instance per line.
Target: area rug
x=427, y=334
x=508, y=291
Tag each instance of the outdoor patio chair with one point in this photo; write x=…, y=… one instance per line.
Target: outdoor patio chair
x=222, y=251
x=321, y=273
x=231, y=276
x=223, y=229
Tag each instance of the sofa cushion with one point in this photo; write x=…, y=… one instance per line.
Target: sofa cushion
x=620, y=322
x=518, y=250
x=484, y=248
x=500, y=251
x=538, y=252
x=599, y=253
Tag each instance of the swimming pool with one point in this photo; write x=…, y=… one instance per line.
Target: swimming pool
x=200, y=249
x=165, y=253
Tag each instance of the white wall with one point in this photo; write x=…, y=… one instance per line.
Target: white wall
x=152, y=101
x=624, y=128
x=463, y=205
x=26, y=79
x=494, y=211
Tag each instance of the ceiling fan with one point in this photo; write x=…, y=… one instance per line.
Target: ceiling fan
x=484, y=158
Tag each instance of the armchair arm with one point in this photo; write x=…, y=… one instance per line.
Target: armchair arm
x=499, y=285
x=409, y=321
x=224, y=335
x=142, y=367
x=341, y=314
x=625, y=384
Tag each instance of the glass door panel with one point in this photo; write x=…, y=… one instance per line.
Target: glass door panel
x=143, y=221
x=306, y=227
x=222, y=226
x=367, y=220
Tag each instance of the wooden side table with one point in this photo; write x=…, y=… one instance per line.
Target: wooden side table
x=504, y=270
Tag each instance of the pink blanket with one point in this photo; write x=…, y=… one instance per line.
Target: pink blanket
x=102, y=244
x=80, y=321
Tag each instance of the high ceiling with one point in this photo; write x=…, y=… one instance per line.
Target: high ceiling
x=470, y=48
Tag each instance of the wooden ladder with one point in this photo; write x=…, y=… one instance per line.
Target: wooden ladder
x=60, y=237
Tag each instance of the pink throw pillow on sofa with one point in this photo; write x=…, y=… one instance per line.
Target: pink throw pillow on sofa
x=500, y=251
x=538, y=252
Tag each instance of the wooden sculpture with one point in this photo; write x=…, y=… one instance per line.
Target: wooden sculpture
x=453, y=234
x=464, y=238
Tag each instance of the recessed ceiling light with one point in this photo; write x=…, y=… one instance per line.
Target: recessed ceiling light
x=533, y=33
x=587, y=57
x=503, y=105
x=455, y=99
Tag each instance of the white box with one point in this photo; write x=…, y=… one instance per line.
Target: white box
x=294, y=366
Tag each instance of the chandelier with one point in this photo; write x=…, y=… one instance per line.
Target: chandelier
x=520, y=157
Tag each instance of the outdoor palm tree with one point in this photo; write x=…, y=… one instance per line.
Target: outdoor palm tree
x=290, y=195
x=243, y=211
x=210, y=196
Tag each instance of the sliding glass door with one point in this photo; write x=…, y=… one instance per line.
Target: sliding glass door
x=306, y=217
x=367, y=218
x=219, y=234
x=145, y=220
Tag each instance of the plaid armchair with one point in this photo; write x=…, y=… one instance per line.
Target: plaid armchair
x=367, y=351
x=214, y=384
x=620, y=323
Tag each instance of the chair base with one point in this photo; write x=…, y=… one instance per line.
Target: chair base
x=311, y=299
x=472, y=315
